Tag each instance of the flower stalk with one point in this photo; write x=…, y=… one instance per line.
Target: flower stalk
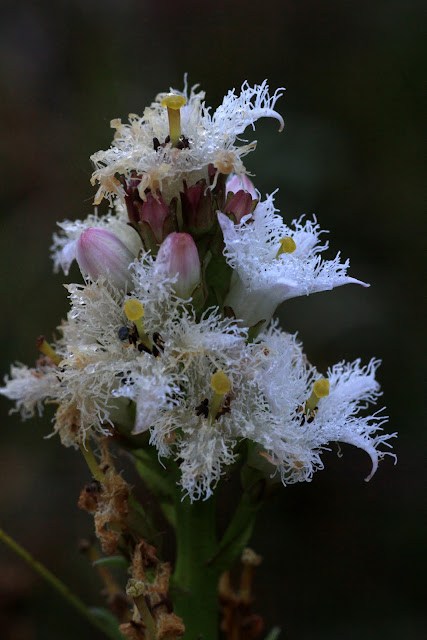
x=195, y=580
x=57, y=585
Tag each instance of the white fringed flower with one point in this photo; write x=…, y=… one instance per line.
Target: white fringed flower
x=300, y=433
x=161, y=360
x=273, y=262
x=211, y=141
x=30, y=388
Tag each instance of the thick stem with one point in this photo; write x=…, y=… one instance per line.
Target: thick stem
x=195, y=580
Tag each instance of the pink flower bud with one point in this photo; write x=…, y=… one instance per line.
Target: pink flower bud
x=179, y=255
x=240, y=204
x=198, y=212
x=155, y=212
x=240, y=183
x=99, y=252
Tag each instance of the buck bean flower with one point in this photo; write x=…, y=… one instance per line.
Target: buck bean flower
x=185, y=266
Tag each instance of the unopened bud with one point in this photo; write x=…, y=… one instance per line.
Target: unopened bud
x=240, y=205
x=154, y=212
x=241, y=197
x=100, y=253
x=198, y=212
x=240, y=182
x=179, y=255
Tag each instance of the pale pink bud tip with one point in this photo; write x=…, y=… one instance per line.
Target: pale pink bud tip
x=100, y=253
x=240, y=183
x=178, y=253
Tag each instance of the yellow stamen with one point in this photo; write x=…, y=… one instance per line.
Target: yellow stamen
x=287, y=245
x=320, y=390
x=47, y=350
x=135, y=312
x=221, y=384
x=174, y=102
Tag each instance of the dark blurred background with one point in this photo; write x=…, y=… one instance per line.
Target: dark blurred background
x=342, y=558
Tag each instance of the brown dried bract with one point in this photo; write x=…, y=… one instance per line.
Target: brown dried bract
x=239, y=622
x=144, y=557
x=169, y=626
x=133, y=630
x=108, y=501
x=112, y=511
x=89, y=497
x=156, y=594
x=67, y=423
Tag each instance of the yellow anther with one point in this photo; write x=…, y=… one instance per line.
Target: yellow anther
x=134, y=310
x=44, y=347
x=287, y=245
x=320, y=390
x=173, y=102
x=220, y=382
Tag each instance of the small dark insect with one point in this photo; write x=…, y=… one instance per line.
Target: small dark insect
x=123, y=333
x=203, y=408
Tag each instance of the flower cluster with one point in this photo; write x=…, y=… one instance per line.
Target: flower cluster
x=170, y=338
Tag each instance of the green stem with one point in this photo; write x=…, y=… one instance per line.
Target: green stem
x=196, y=582
x=60, y=587
x=91, y=462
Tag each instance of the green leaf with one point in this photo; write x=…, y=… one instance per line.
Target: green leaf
x=152, y=473
x=238, y=533
x=111, y=561
x=108, y=622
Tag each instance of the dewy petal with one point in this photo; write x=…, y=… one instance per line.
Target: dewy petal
x=296, y=441
x=245, y=109
x=241, y=182
x=265, y=277
x=254, y=306
x=30, y=388
x=152, y=392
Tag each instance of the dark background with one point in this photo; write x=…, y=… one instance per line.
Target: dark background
x=342, y=558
